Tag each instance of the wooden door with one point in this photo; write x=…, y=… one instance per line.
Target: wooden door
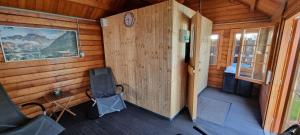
x=281, y=81
x=193, y=65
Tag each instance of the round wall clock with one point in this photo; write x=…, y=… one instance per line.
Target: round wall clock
x=129, y=19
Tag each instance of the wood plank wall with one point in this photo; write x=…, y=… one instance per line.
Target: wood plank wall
x=148, y=57
x=216, y=72
x=28, y=80
x=142, y=53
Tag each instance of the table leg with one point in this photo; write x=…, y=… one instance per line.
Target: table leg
x=64, y=109
x=67, y=109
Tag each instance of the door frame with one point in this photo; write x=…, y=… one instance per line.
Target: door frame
x=288, y=82
x=279, y=87
x=293, y=76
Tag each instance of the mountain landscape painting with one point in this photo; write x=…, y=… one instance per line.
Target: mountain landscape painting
x=25, y=43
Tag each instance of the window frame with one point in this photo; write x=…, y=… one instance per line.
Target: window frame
x=218, y=46
x=251, y=79
x=231, y=50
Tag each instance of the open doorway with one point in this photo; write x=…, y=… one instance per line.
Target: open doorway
x=293, y=109
x=292, y=114
x=233, y=107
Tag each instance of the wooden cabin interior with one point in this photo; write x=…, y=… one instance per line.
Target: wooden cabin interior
x=149, y=67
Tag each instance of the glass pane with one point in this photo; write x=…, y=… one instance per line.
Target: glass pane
x=260, y=58
x=248, y=51
x=250, y=38
x=235, y=59
x=259, y=71
x=213, y=49
x=237, y=44
x=236, y=51
x=246, y=70
x=213, y=60
x=264, y=45
x=214, y=39
x=246, y=59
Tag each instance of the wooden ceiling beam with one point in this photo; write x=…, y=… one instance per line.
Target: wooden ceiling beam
x=153, y=1
x=280, y=10
x=180, y=1
x=252, y=5
x=260, y=6
x=274, y=9
x=157, y=1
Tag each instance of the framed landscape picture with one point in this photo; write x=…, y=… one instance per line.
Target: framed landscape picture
x=26, y=43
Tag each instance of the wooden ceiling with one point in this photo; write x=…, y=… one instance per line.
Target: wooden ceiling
x=269, y=7
x=225, y=11
x=220, y=11
x=90, y=9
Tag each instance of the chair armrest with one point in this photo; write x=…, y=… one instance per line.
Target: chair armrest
x=121, y=86
x=36, y=104
x=87, y=94
x=122, y=90
x=41, y=125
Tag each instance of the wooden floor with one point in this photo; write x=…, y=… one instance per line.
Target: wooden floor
x=137, y=121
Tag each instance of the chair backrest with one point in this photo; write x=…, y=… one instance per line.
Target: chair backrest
x=10, y=114
x=102, y=82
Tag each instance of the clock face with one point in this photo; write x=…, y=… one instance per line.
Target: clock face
x=129, y=19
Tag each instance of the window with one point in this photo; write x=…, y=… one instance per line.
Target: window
x=237, y=45
x=214, y=49
x=254, y=54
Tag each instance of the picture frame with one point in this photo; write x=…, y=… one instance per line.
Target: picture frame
x=20, y=43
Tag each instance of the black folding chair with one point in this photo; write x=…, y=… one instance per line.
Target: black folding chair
x=13, y=122
x=104, y=95
x=292, y=130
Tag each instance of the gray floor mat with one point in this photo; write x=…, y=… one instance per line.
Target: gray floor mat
x=213, y=110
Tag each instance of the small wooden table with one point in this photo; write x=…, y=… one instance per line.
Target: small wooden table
x=54, y=100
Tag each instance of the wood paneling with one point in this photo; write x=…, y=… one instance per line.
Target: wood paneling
x=91, y=9
x=148, y=57
x=28, y=80
x=139, y=56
